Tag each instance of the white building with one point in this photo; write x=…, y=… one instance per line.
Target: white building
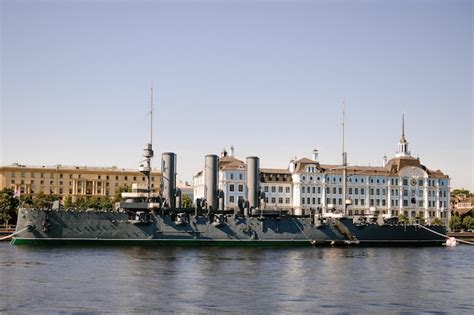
x=401, y=186
x=231, y=179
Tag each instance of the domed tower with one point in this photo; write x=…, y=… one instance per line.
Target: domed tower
x=403, y=144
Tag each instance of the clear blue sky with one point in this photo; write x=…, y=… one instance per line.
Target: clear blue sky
x=265, y=76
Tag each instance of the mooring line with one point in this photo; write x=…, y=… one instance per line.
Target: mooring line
x=445, y=236
x=13, y=234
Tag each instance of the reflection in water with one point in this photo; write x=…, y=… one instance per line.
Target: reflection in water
x=197, y=280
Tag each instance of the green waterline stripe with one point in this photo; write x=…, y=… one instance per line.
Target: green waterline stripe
x=201, y=242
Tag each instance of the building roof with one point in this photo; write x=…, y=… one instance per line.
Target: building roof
x=303, y=162
x=393, y=167
x=230, y=163
x=275, y=175
x=69, y=168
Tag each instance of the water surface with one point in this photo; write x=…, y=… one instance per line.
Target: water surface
x=215, y=280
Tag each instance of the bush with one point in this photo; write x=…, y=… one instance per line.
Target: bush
x=455, y=223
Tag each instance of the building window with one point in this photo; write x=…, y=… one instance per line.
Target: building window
x=302, y=201
x=231, y=187
x=319, y=190
x=241, y=188
x=273, y=189
x=126, y=178
x=362, y=191
x=362, y=202
x=273, y=200
x=308, y=200
x=231, y=175
x=302, y=189
x=340, y=201
x=371, y=191
x=356, y=202
x=340, y=190
x=240, y=176
x=231, y=199
x=350, y=191
x=405, y=182
x=287, y=200
x=319, y=201
x=405, y=203
x=356, y=191
x=377, y=202
x=265, y=188
x=314, y=201
x=304, y=177
x=334, y=190
x=280, y=190
x=280, y=200
x=420, y=182
x=287, y=190
x=377, y=191
x=327, y=190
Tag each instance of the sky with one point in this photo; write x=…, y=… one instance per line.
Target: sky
x=267, y=77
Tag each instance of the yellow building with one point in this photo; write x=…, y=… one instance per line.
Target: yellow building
x=74, y=181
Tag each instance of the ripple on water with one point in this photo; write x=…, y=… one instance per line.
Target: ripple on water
x=215, y=280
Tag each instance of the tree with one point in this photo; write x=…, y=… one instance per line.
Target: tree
x=118, y=193
x=42, y=200
x=8, y=206
x=187, y=202
x=436, y=221
x=26, y=201
x=68, y=202
x=403, y=218
x=455, y=223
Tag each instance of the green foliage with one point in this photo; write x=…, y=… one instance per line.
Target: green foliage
x=8, y=206
x=187, y=202
x=455, y=223
x=118, y=194
x=26, y=201
x=403, y=218
x=436, y=221
x=93, y=202
x=42, y=200
x=468, y=223
x=68, y=202
x=461, y=191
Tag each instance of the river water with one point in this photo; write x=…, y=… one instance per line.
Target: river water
x=216, y=280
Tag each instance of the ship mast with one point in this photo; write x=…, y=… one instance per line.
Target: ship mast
x=344, y=158
x=145, y=167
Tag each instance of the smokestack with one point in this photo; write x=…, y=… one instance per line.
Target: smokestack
x=252, y=169
x=168, y=171
x=210, y=180
x=232, y=151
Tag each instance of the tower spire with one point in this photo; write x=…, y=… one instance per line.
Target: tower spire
x=403, y=144
x=403, y=140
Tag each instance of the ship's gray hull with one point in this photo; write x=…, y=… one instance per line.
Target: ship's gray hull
x=66, y=227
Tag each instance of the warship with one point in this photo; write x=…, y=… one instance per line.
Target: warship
x=148, y=218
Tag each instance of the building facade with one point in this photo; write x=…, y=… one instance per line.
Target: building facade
x=400, y=186
x=73, y=181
